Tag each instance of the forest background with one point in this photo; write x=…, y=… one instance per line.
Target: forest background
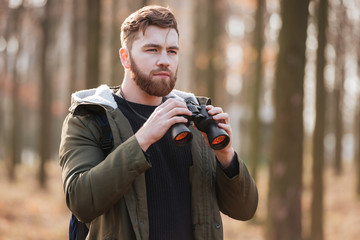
x=287, y=71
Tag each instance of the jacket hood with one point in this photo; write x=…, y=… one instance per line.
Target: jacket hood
x=103, y=95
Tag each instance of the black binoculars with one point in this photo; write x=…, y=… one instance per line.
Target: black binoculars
x=181, y=135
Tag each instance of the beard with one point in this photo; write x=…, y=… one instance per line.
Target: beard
x=154, y=87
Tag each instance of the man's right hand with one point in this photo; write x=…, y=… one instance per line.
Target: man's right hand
x=159, y=122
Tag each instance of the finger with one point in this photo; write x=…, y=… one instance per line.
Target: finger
x=214, y=110
x=226, y=127
x=176, y=119
x=172, y=103
x=222, y=118
x=175, y=101
x=178, y=111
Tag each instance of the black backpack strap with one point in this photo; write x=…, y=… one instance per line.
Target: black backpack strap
x=106, y=139
x=77, y=229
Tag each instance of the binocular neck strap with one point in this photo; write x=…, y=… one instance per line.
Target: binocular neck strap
x=127, y=103
x=132, y=109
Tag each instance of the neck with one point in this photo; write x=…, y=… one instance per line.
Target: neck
x=133, y=93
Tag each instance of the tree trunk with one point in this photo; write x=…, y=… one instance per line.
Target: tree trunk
x=358, y=124
x=117, y=72
x=201, y=60
x=339, y=86
x=284, y=202
x=357, y=156
x=255, y=121
x=4, y=75
x=74, y=46
x=93, y=43
x=15, y=142
x=317, y=232
x=358, y=152
x=14, y=147
x=208, y=73
x=45, y=96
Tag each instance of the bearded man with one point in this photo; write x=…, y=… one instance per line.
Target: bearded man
x=147, y=187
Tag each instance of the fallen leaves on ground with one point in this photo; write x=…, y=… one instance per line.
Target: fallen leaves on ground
x=28, y=212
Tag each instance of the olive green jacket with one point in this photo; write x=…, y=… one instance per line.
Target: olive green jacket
x=110, y=194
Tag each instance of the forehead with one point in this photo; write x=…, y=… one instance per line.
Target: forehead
x=157, y=35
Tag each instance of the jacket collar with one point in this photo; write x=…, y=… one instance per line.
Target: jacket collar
x=103, y=95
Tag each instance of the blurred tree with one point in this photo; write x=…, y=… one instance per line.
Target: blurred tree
x=255, y=120
x=317, y=232
x=358, y=154
x=93, y=25
x=340, y=49
x=117, y=73
x=357, y=157
x=209, y=32
x=3, y=76
x=14, y=43
x=78, y=43
x=285, y=190
x=45, y=90
x=74, y=44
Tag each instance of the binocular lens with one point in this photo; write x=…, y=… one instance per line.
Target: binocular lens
x=181, y=136
x=217, y=137
x=218, y=140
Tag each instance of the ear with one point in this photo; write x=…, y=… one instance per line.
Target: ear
x=124, y=57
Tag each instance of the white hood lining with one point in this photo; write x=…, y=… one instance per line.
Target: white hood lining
x=103, y=95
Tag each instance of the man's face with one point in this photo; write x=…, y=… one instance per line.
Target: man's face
x=154, y=60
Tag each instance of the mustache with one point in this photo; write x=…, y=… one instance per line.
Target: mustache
x=162, y=69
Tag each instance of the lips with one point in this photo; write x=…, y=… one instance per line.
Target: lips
x=162, y=74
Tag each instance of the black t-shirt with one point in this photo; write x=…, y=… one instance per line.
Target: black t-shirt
x=167, y=181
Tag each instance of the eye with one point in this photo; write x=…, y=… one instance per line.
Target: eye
x=173, y=52
x=151, y=50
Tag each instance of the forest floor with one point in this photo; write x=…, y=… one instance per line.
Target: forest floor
x=27, y=212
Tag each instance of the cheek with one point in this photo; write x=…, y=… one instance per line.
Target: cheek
x=174, y=64
x=147, y=66
x=144, y=64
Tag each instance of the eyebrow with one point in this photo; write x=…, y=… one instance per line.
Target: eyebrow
x=159, y=46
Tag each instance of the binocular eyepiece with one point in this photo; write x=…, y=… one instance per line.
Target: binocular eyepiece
x=181, y=135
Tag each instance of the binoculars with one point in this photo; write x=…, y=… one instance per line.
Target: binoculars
x=181, y=135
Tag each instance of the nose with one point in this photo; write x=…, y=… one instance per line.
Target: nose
x=163, y=59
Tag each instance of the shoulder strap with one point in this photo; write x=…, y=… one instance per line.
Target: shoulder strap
x=106, y=139
x=77, y=229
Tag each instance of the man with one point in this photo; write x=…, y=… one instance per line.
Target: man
x=147, y=187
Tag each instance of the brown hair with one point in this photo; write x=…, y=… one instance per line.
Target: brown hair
x=144, y=17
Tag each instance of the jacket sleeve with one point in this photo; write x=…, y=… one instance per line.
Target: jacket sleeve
x=237, y=196
x=91, y=183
